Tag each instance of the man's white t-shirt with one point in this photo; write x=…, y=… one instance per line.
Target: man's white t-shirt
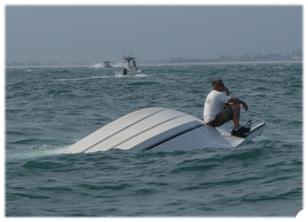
x=214, y=103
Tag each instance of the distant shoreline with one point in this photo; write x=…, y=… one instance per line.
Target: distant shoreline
x=230, y=62
x=161, y=64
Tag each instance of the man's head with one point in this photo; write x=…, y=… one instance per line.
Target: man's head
x=218, y=85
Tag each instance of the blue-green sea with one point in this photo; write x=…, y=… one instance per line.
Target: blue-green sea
x=50, y=108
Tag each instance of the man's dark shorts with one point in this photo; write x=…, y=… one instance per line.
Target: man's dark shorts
x=222, y=117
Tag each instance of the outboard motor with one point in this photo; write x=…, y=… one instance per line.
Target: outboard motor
x=124, y=71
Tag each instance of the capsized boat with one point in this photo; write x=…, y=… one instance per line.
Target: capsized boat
x=159, y=129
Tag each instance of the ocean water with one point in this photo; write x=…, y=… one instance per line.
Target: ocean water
x=48, y=109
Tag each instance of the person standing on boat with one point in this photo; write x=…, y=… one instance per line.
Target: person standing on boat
x=134, y=65
x=220, y=107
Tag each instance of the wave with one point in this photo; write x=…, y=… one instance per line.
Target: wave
x=272, y=195
x=83, y=78
x=141, y=75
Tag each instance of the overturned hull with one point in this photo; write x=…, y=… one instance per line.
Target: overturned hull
x=159, y=129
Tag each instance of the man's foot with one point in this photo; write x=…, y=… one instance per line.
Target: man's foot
x=244, y=129
x=240, y=132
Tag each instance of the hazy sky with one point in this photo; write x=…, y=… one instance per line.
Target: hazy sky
x=96, y=33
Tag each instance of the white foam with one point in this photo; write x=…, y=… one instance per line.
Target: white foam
x=97, y=65
x=141, y=75
x=119, y=75
x=36, y=152
x=117, y=65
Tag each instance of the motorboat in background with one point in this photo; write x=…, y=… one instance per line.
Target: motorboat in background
x=107, y=64
x=129, y=64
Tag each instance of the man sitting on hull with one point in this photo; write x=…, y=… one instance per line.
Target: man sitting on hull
x=220, y=108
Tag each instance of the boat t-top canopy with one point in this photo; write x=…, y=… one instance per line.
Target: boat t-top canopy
x=129, y=58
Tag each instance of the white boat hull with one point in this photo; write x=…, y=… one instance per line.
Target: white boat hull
x=157, y=129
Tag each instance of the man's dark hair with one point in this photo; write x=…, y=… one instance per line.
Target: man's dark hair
x=217, y=82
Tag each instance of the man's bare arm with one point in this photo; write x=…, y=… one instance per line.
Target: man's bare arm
x=238, y=101
x=227, y=91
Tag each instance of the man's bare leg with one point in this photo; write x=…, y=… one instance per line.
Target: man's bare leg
x=236, y=115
